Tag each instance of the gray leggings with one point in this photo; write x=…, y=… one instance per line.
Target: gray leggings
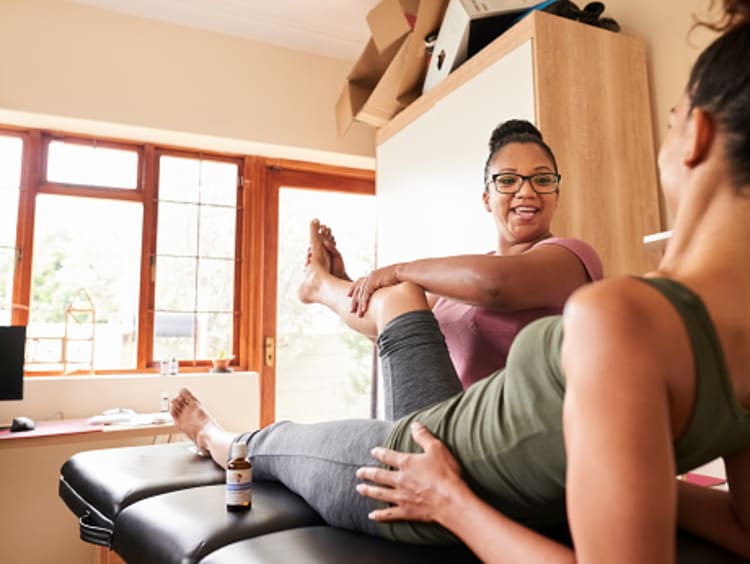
x=318, y=461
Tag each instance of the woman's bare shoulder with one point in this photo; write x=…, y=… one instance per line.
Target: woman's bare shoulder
x=620, y=308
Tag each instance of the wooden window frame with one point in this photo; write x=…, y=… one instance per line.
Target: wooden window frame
x=255, y=221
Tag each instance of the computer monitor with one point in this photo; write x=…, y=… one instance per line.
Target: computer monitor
x=12, y=349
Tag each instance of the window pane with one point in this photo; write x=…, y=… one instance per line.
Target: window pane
x=217, y=237
x=192, y=335
x=72, y=163
x=195, y=262
x=215, y=285
x=87, y=256
x=179, y=179
x=323, y=368
x=8, y=215
x=218, y=183
x=174, y=334
x=11, y=149
x=10, y=162
x=214, y=334
x=7, y=260
x=178, y=229
x=175, y=284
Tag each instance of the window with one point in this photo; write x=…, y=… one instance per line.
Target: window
x=10, y=180
x=118, y=255
x=85, y=280
x=195, y=258
x=85, y=272
x=92, y=165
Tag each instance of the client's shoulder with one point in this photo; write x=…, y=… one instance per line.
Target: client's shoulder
x=618, y=307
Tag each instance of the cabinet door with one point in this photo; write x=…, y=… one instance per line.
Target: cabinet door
x=430, y=175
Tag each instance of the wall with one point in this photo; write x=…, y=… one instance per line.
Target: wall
x=63, y=59
x=60, y=59
x=671, y=50
x=671, y=47
x=37, y=526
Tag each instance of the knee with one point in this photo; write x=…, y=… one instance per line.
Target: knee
x=406, y=292
x=391, y=301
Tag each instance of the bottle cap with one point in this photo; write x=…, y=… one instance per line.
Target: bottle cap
x=239, y=450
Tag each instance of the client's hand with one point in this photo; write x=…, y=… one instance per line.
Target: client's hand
x=421, y=486
x=364, y=287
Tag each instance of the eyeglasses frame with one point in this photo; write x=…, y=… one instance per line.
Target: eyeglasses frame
x=525, y=178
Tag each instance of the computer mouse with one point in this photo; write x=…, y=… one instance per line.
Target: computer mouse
x=21, y=424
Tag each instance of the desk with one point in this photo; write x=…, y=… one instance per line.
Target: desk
x=64, y=431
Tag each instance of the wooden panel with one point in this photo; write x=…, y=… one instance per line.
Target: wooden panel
x=594, y=110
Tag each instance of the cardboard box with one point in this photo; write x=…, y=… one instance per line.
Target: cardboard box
x=453, y=41
x=385, y=80
x=390, y=20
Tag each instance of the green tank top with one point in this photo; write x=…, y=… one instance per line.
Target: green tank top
x=507, y=429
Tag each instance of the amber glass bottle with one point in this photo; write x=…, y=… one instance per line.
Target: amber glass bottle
x=239, y=493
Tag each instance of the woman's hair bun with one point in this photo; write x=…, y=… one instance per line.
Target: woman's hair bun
x=513, y=129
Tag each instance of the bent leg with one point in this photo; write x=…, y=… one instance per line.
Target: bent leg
x=416, y=367
x=318, y=462
x=321, y=286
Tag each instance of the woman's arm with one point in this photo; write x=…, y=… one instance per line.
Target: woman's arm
x=428, y=487
x=718, y=516
x=542, y=277
x=620, y=356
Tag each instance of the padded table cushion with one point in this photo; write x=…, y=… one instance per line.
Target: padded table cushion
x=97, y=484
x=329, y=545
x=184, y=526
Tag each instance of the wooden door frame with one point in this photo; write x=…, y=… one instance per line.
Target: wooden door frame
x=275, y=174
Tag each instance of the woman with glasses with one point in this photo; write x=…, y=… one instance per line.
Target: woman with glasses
x=480, y=301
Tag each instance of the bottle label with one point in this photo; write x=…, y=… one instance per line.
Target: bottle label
x=239, y=487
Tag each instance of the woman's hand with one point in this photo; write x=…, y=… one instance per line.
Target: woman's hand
x=361, y=290
x=422, y=486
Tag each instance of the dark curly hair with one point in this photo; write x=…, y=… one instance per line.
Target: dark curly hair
x=515, y=131
x=734, y=12
x=719, y=83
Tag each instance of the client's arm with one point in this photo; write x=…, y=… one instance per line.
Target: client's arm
x=729, y=521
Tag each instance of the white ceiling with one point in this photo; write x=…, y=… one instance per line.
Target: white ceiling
x=333, y=28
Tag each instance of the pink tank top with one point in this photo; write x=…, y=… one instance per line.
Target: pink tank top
x=478, y=338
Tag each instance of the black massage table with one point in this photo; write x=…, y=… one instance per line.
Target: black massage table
x=164, y=504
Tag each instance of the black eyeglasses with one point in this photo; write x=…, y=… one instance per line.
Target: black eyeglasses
x=511, y=182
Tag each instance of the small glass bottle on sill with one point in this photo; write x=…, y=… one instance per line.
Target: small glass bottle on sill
x=174, y=366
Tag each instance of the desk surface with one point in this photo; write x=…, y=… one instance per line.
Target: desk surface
x=76, y=430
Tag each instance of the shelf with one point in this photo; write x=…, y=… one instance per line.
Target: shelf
x=656, y=241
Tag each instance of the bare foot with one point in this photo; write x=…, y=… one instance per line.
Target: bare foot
x=191, y=419
x=337, y=267
x=318, y=263
x=337, y=261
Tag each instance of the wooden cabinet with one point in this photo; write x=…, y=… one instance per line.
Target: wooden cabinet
x=585, y=88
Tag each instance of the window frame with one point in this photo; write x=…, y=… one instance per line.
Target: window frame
x=19, y=308
x=256, y=173
x=149, y=310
